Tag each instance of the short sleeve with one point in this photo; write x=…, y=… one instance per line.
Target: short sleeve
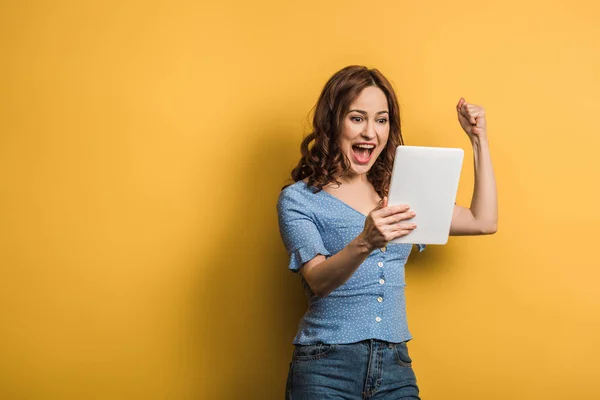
x=298, y=230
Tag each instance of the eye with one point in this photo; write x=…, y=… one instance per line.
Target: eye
x=383, y=120
x=356, y=118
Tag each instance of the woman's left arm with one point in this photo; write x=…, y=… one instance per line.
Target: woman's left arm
x=482, y=217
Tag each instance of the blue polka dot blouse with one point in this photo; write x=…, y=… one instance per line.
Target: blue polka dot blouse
x=371, y=304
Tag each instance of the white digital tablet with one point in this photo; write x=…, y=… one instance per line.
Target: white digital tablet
x=426, y=178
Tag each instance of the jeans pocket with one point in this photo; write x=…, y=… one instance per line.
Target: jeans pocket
x=402, y=357
x=312, y=351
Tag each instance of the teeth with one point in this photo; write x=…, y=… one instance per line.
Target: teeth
x=365, y=146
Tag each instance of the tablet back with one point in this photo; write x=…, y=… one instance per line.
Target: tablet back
x=426, y=178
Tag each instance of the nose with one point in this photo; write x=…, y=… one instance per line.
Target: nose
x=369, y=132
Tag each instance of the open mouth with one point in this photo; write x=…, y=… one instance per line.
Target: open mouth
x=362, y=152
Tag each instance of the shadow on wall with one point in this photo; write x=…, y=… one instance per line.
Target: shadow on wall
x=249, y=303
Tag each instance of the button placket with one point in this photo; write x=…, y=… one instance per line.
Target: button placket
x=381, y=264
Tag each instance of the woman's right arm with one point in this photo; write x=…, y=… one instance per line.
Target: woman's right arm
x=324, y=275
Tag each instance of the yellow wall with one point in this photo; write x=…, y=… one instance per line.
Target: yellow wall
x=143, y=145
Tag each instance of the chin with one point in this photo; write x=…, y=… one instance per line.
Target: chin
x=360, y=169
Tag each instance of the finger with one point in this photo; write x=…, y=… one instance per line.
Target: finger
x=391, y=210
x=400, y=233
x=404, y=233
x=382, y=204
x=394, y=219
x=460, y=103
x=476, y=110
x=479, y=113
x=404, y=227
x=467, y=114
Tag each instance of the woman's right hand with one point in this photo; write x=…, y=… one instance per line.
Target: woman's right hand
x=384, y=224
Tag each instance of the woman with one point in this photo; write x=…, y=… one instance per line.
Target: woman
x=336, y=225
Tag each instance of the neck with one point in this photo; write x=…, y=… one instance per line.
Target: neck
x=353, y=179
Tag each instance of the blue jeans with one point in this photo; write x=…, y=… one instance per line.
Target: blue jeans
x=370, y=369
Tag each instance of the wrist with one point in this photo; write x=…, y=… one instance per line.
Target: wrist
x=362, y=244
x=479, y=142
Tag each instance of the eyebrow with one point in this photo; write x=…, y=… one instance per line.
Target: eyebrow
x=365, y=113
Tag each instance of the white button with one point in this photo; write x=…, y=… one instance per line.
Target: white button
x=380, y=299
x=381, y=281
x=380, y=264
x=378, y=319
x=384, y=249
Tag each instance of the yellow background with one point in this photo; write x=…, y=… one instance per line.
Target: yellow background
x=143, y=145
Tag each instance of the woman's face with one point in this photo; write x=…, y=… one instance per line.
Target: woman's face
x=365, y=129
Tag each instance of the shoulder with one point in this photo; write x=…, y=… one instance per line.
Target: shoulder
x=298, y=194
x=297, y=190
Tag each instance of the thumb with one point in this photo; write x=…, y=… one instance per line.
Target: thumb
x=382, y=203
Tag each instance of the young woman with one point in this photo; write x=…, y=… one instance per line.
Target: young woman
x=336, y=225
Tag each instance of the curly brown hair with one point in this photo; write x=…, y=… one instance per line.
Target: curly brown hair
x=322, y=161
